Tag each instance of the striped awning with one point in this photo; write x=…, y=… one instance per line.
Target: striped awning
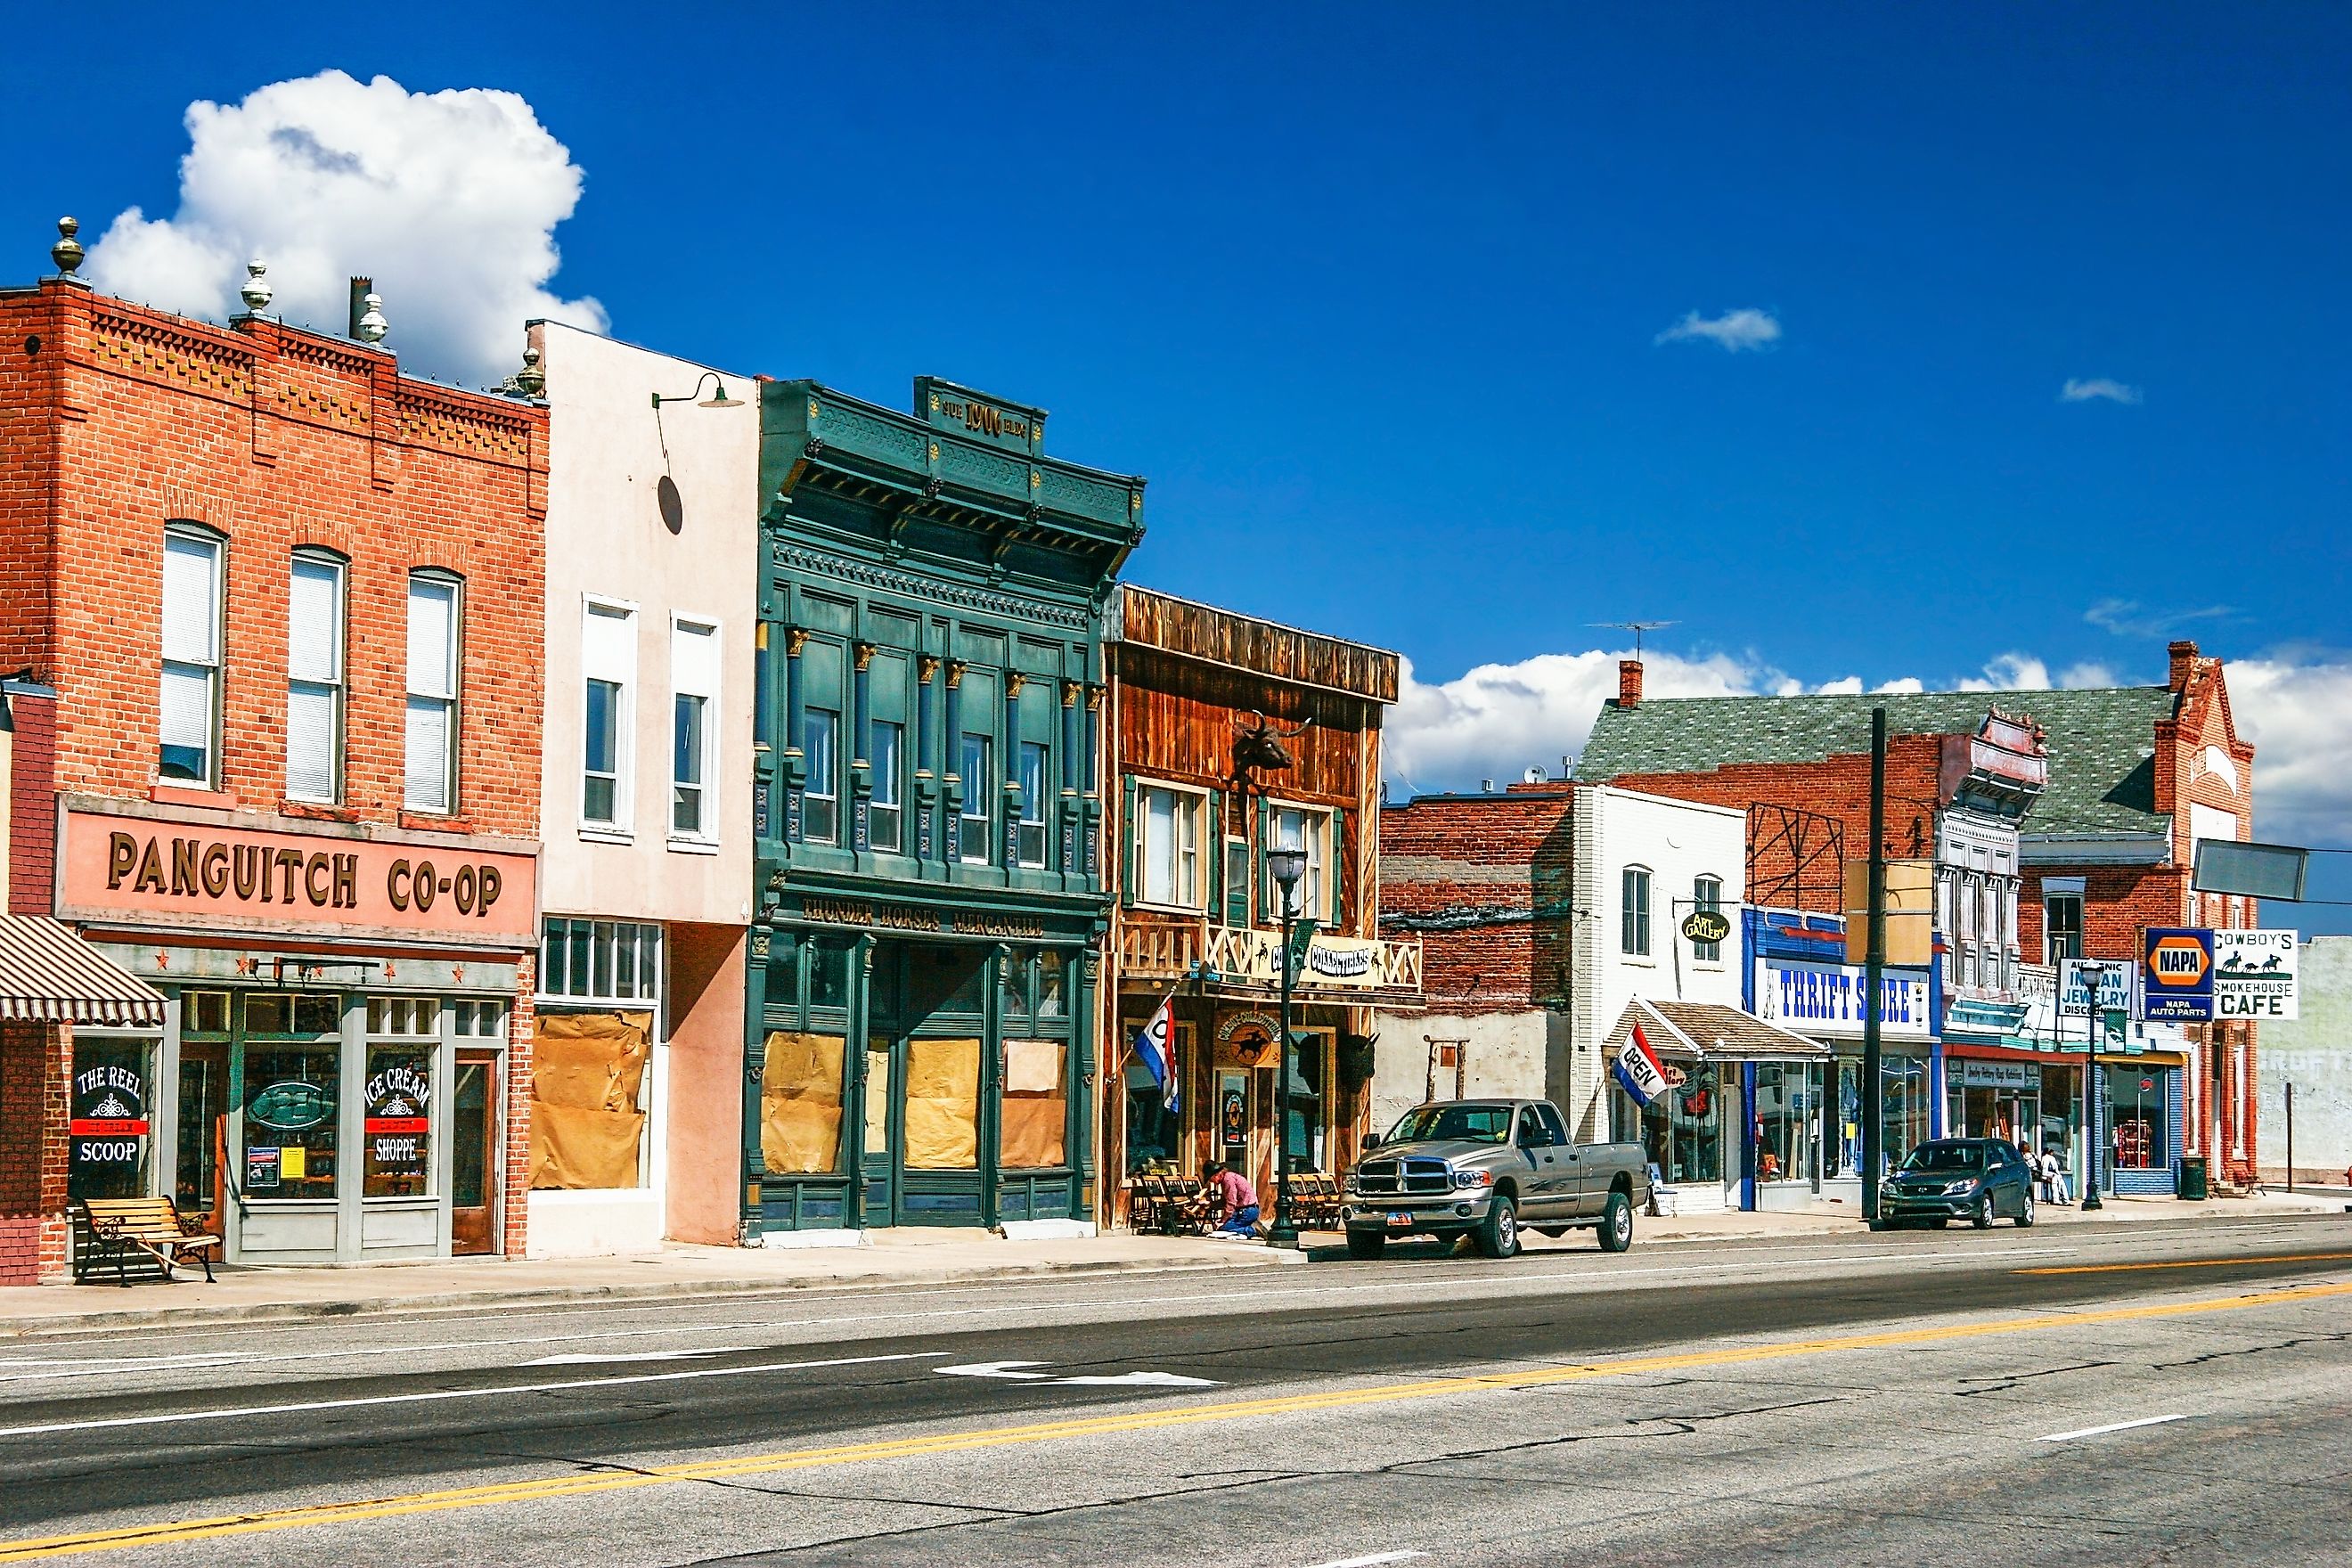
x=50, y=975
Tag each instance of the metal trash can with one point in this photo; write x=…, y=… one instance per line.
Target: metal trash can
x=2193, y=1187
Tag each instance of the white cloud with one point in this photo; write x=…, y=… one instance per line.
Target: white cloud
x=2098, y=386
x=1732, y=331
x=2130, y=618
x=448, y=200
x=1902, y=685
x=2299, y=717
x=1848, y=686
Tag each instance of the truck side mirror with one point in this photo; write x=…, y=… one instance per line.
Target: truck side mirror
x=1371, y=1140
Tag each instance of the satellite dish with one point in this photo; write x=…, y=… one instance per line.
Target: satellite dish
x=673, y=505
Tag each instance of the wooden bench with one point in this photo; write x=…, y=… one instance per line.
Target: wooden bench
x=145, y=1235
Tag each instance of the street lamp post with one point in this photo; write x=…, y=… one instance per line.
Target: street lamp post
x=2094, y=976
x=1286, y=866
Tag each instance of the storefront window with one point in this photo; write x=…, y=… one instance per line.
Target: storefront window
x=800, y=1103
x=942, y=1126
x=1310, y=1071
x=1788, y=1108
x=2138, y=1118
x=289, y=1117
x=293, y=1013
x=1153, y=1134
x=397, y=1110
x=1904, y=1100
x=1680, y=1129
x=1036, y=1105
x=587, y=1119
x=1052, y=972
x=108, y=1135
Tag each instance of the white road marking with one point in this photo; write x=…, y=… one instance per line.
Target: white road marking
x=2111, y=1426
x=1530, y=1285
x=1011, y=1370
x=1372, y=1562
x=613, y=1358
x=245, y=1410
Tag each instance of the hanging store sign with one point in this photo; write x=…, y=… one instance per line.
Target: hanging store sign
x=1707, y=925
x=1343, y=963
x=108, y=1124
x=2255, y=974
x=1827, y=1000
x=2177, y=975
x=165, y=870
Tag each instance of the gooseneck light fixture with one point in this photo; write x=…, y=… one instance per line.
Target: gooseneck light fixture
x=718, y=398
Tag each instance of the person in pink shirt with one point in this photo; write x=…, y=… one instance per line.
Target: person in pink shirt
x=1236, y=1198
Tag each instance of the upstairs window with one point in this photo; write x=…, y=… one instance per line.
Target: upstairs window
x=1633, y=913
x=1296, y=827
x=885, y=811
x=1031, y=830
x=694, y=677
x=608, y=662
x=314, y=678
x=821, y=806
x=187, y=738
x=430, y=778
x=1706, y=893
x=2061, y=927
x=973, y=836
x=1168, y=847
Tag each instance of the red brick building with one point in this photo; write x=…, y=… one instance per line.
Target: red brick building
x=2135, y=775
x=290, y=602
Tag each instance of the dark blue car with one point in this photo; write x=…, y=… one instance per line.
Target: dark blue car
x=1976, y=1179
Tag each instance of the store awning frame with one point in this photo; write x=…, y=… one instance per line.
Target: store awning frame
x=48, y=975
x=1710, y=1032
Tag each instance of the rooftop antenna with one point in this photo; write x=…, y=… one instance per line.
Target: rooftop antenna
x=1636, y=627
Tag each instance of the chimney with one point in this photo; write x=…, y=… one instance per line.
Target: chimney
x=2184, y=660
x=1629, y=683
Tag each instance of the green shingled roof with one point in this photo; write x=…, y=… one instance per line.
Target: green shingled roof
x=2102, y=743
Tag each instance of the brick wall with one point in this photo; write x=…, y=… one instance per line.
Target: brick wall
x=36, y=1066
x=1492, y=862
x=32, y=847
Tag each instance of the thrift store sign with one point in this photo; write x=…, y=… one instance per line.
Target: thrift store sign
x=1828, y=999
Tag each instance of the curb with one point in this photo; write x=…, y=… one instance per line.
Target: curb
x=574, y=1295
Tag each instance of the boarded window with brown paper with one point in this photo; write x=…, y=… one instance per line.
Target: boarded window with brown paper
x=1036, y=1105
x=942, y=1105
x=586, y=1071
x=800, y=1103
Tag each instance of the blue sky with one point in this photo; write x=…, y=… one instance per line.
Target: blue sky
x=1376, y=301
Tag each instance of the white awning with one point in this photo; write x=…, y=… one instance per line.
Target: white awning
x=50, y=975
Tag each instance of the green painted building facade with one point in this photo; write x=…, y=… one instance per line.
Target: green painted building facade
x=921, y=998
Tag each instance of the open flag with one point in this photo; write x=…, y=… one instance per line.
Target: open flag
x=1637, y=1069
x=1158, y=1058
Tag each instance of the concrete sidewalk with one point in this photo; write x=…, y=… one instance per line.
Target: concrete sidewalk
x=883, y=1257
x=1829, y=1218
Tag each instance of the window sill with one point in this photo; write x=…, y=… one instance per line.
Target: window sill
x=1638, y=959
x=163, y=793
x=679, y=846
x=1192, y=912
x=317, y=811
x=606, y=835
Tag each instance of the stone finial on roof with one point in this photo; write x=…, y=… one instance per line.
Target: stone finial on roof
x=68, y=252
x=254, y=290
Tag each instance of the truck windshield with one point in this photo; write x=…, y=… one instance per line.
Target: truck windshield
x=1454, y=1123
x=1946, y=1157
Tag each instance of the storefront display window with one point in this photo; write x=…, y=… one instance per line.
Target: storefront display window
x=1904, y=1100
x=397, y=1122
x=290, y=1104
x=109, y=1136
x=942, y=1126
x=800, y=1103
x=1681, y=1129
x=1036, y=1105
x=587, y=1075
x=1311, y=1073
x=1788, y=1108
x=293, y=1013
x=2136, y=1118
x=1153, y=1134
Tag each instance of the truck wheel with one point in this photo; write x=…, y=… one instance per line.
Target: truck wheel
x=1500, y=1235
x=1365, y=1243
x=1617, y=1223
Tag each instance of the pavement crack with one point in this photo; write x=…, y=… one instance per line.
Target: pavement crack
x=2211, y=1356
x=2008, y=1381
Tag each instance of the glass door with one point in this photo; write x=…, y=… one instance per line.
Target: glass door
x=198, y=1187
x=474, y=1155
x=882, y=1157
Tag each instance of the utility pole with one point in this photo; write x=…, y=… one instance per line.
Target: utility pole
x=2290, y=1137
x=1874, y=972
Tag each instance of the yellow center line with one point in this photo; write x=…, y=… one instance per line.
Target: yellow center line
x=2188, y=1263
x=173, y=1532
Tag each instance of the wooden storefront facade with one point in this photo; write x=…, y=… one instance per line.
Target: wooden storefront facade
x=1196, y=918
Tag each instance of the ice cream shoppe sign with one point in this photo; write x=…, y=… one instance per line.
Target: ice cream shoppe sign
x=219, y=873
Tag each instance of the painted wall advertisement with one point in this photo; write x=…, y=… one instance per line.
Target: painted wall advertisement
x=2255, y=974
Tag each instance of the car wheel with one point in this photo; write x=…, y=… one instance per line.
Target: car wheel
x=1366, y=1243
x=2025, y=1212
x=1617, y=1223
x=1499, y=1237
x=1982, y=1218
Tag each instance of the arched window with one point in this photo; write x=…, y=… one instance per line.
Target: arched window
x=1706, y=893
x=314, y=676
x=1633, y=913
x=188, y=724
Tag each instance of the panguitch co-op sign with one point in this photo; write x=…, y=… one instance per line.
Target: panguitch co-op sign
x=166, y=872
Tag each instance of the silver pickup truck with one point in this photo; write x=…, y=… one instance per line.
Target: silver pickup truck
x=1484, y=1168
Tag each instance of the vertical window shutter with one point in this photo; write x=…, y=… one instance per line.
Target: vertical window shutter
x=431, y=632
x=314, y=609
x=1337, y=871
x=1126, y=841
x=1212, y=850
x=191, y=599
x=694, y=659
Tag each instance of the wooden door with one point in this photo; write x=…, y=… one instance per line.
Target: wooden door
x=474, y=1155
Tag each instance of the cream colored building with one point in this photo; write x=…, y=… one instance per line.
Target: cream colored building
x=646, y=876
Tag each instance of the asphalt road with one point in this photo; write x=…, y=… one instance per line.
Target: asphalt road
x=2125, y=1395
